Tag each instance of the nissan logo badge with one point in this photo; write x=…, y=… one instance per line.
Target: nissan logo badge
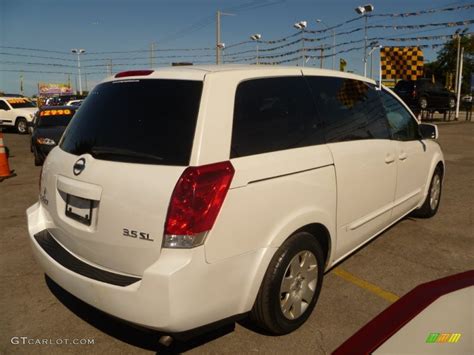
x=79, y=166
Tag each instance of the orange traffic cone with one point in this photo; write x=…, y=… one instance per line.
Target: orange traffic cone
x=5, y=171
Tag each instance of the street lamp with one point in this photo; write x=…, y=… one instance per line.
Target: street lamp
x=333, y=43
x=364, y=10
x=301, y=25
x=79, y=52
x=256, y=37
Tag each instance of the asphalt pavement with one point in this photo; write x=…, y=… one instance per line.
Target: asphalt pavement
x=39, y=317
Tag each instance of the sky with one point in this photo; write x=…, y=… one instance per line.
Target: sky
x=36, y=36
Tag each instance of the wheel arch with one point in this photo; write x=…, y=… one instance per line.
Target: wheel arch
x=321, y=233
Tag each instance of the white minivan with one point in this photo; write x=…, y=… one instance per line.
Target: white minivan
x=183, y=196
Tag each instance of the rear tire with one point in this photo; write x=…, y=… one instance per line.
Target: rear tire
x=21, y=125
x=291, y=285
x=431, y=204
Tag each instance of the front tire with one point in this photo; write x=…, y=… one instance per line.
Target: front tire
x=21, y=125
x=291, y=285
x=431, y=204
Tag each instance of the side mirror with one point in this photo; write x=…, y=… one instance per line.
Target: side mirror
x=428, y=131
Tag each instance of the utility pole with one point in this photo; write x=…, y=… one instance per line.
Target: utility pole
x=458, y=88
x=109, y=66
x=219, y=44
x=21, y=83
x=152, y=54
x=85, y=79
x=218, y=37
x=321, y=57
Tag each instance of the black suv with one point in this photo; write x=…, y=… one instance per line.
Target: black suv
x=423, y=94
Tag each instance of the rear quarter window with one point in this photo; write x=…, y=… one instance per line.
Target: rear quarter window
x=272, y=114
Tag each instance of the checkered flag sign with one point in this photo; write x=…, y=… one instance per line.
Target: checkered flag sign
x=351, y=92
x=401, y=63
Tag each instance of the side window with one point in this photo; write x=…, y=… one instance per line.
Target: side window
x=4, y=106
x=273, y=114
x=402, y=125
x=350, y=109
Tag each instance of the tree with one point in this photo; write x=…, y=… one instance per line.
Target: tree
x=445, y=63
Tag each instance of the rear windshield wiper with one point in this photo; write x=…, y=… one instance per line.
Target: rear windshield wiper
x=98, y=152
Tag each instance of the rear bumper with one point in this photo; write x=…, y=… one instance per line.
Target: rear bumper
x=179, y=292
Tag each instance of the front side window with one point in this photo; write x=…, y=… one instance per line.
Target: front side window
x=273, y=114
x=350, y=109
x=403, y=126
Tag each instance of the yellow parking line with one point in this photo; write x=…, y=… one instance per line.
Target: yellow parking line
x=391, y=297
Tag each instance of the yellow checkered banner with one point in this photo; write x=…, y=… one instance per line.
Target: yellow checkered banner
x=401, y=63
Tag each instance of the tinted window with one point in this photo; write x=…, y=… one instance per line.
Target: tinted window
x=273, y=114
x=350, y=109
x=20, y=103
x=4, y=106
x=48, y=120
x=402, y=125
x=404, y=85
x=142, y=121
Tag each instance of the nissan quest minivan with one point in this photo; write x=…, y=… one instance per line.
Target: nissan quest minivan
x=183, y=196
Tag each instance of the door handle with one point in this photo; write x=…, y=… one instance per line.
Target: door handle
x=389, y=158
x=403, y=156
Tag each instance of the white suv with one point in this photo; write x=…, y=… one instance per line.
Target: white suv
x=17, y=112
x=183, y=196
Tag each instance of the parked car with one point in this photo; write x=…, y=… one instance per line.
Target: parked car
x=49, y=126
x=423, y=94
x=16, y=112
x=227, y=191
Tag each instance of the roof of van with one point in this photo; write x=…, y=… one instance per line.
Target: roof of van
x=198, y=72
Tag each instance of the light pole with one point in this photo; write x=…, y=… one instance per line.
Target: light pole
x=373, y=46
x=79, y=52
x=364, y=10
x=301, y=25
x=256, y=37
x=333, y=43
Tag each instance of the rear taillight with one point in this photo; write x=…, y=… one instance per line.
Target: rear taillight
x=196, y=201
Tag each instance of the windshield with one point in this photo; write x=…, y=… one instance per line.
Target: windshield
x=140, y=121
x=20, y=103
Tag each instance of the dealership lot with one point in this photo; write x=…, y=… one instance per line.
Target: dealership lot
x=414, y=251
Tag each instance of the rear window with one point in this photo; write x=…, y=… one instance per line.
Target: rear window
x=149, y=121
x=53, y=118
